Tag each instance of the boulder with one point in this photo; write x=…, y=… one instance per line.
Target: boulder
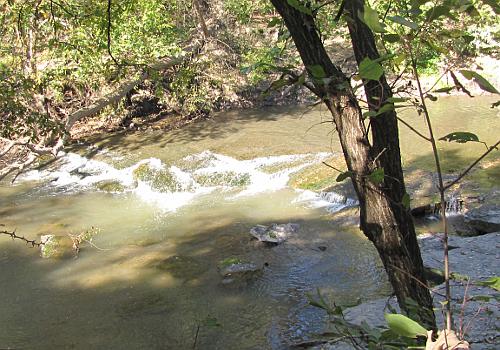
x=484, y=219
x=274, y=234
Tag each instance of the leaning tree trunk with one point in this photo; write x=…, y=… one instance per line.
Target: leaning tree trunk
x=384, y=220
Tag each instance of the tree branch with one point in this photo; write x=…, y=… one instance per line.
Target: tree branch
x=13, y=235
x=108, y=32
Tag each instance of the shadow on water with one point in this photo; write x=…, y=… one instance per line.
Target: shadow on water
x=263, y=131
x=214, y=128
x=421, y=173
x=158, y=296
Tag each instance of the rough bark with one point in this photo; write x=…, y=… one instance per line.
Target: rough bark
x=384, y=220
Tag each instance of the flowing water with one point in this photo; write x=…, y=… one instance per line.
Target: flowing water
x=169, y=208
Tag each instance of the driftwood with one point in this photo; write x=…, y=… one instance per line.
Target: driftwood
x=36, y=150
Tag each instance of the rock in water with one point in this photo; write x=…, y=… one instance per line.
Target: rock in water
x=276, y=233
x=57, y=247
x=235, y=272
x=484, y=219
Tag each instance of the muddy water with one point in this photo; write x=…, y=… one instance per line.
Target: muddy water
x=181, y=202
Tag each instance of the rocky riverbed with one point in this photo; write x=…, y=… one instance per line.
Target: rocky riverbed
x=473, y=260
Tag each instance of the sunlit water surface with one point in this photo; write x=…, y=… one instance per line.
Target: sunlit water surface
x=170, y=207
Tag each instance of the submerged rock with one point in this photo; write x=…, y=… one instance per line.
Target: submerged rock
x=57, y=247
x=484, y=219
x=234, y=271
x=110, y=186
x=227, y=178
x=162, y=180
x=183, y=267
x=276, y=233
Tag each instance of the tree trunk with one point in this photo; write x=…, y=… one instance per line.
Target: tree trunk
x=201, y=17
x=384, y=220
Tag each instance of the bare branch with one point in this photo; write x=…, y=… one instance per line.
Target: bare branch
x=108, y=32
x=10, y=144
x=13, y=235
x=19, y=167
x=413, y=129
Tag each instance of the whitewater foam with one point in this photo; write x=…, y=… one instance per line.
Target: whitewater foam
x=171, y=186
x=329, y=200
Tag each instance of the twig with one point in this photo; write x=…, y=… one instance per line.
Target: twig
x=196, y=336
x=472, y=319
x=331, y=166
x=417, y=280
x=96, y=247
x=462, y=311
x=413, y=129
x=378, y=156
x=13, y=235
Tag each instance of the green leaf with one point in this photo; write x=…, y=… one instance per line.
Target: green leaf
x=460, y=137
x=431, y=97
x=274, y=22
x=344, y=175
x=493, y=282
x=485, y=298
x=397, y=99
x=301, y=80
x=444, y=89
x=436, y=12
x=369, y=114
x=479, y=80
x=296, y=4
x=377, y=176
x=403, y=21
x=384, y=58
x=370, y=18
x=406, y=201
x=370, y=70
x=278, y=84
x=385, y=108
x=211, y=322
x=391, y=38
x=317, y=71
x=404, y=326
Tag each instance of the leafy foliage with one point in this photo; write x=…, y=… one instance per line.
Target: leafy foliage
x=370, y=69
x=460, y=137
x=404, y=326
x=493, y=282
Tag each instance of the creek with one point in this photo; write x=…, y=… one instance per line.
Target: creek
x=170, y=206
